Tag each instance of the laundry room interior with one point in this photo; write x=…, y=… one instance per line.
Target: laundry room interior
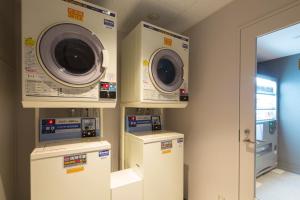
x=144, y=100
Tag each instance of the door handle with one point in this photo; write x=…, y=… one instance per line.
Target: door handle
x=247, y=139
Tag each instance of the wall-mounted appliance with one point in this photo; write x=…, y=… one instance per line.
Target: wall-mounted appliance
x=69, y=56
x=155, y=64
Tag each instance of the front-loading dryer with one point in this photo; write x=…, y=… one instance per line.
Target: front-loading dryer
x=69, y=50
x=155, y=65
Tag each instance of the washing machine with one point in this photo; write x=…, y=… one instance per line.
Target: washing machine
x=155, y=64
x=74, y=171
x=156, y=155
x=69, y=52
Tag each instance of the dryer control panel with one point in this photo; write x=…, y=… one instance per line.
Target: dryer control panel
x=68, y=128
x=140, y=123
x=108, y=90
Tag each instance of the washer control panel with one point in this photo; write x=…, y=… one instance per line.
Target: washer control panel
x=68, y=128
x=140, y=123
x=88, y=127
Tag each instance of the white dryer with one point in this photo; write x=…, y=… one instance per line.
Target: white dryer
x=69, y=52
x=155, y=65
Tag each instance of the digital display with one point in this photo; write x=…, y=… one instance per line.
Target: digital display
x=156, y=120
x=156, y=123
x=88, y=124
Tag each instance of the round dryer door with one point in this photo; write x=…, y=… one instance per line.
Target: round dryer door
x=72, y=55
x=166, y=70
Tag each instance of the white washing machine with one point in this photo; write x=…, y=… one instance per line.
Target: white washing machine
x=158, y=158
x=69, y=52
x=155, y=65
x=71, y=171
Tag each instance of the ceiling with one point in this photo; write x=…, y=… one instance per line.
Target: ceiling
x=175, y=15
x=282, y=43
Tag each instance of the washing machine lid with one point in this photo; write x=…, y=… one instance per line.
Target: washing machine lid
x=156, y=136
x=65, y=148
x=72, y=55
x=166, y=70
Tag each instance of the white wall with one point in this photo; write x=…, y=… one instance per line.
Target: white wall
x=7, y=132
x=211, y=121
x=7, y=102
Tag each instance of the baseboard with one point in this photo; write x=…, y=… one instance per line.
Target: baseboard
x=289, y=167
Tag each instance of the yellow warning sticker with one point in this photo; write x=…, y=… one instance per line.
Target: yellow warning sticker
x=146, y=63
x=167, y=151
x=75, y=14
x=75, y=170
x=168, y=41
x=30, y=42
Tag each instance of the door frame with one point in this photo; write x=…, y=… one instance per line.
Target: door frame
x=249, y=33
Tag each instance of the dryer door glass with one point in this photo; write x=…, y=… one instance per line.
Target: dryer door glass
x=73, y=56
x=167, y=70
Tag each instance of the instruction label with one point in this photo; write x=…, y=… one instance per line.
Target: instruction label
x=75, y=14
x=74, y=160
x=166, y=145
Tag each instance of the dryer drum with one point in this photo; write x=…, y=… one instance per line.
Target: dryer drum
x=166, y=70
x=71, y=54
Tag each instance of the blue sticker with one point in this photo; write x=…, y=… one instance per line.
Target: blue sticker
x=109, y=23
x=103, y=153
x=180, y=140
x=185, y=46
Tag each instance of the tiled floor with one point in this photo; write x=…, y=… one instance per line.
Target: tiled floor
x=278, y=185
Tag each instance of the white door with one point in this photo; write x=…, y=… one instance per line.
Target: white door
x=275, y=21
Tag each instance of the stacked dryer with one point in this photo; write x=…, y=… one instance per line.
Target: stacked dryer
x=155, y=66
x=154, y=75
x=69, y=59
x=69, y=53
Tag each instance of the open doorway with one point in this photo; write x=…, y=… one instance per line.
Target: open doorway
x=278, y=115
